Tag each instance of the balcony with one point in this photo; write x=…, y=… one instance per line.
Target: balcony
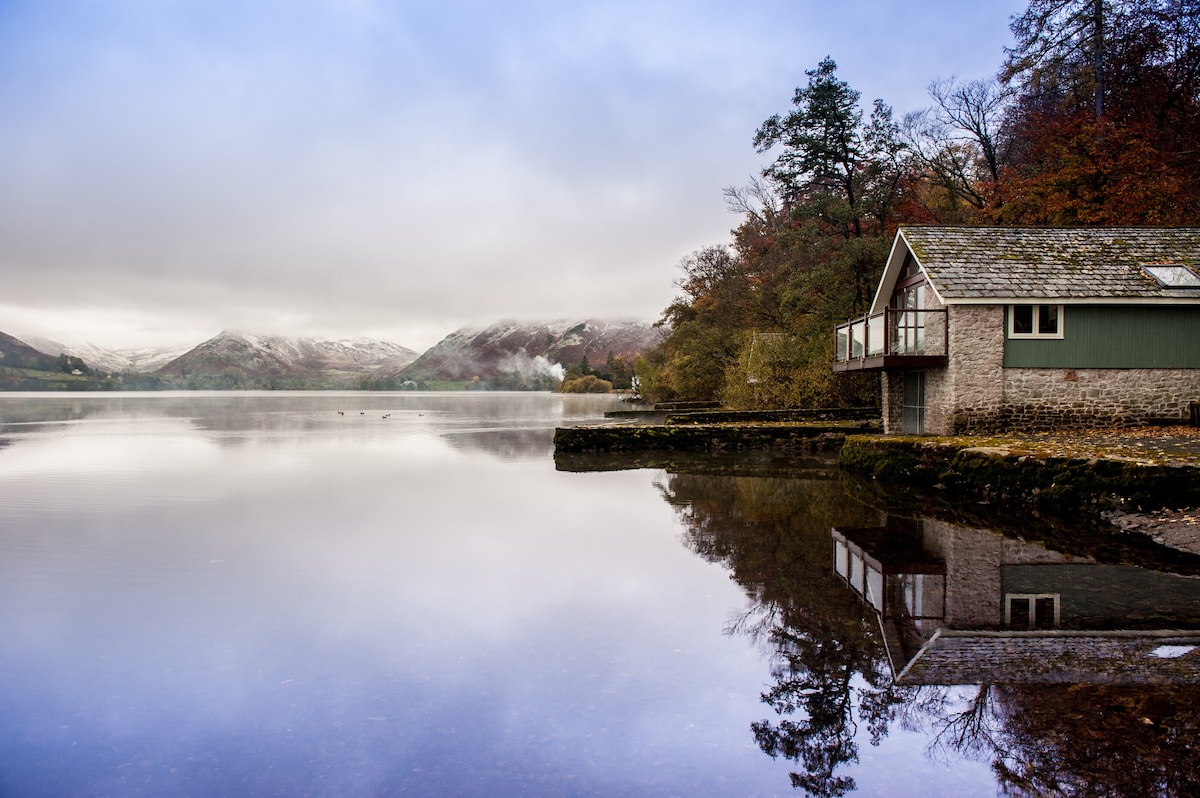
x=892, y=338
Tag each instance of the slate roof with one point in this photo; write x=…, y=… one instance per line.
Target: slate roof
x=953, y=657
x=973, y=263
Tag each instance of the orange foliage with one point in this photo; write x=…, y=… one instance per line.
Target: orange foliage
x=1079, y=172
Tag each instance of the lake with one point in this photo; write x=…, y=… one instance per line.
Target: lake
x=362, y=594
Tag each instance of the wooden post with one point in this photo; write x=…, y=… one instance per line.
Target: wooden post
x=1194, y=414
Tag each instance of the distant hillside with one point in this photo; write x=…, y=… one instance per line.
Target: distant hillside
x=533, y=354
x=111, y=361
x=242, y=360
x=24, y=368
x=505, y=355
x=16, y=354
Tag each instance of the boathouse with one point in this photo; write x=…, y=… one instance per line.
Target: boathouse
x=979, y=329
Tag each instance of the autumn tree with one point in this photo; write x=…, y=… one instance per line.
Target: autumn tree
x=1107, y=113
x=706, y=322
x=752, y=326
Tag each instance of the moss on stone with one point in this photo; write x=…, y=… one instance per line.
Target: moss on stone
x=1001, y=468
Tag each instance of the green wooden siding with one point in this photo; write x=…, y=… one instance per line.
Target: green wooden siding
x=1114, y=336
x=1101, y=596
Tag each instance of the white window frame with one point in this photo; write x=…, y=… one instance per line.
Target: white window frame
x=1037, y=333
x=1030, y=600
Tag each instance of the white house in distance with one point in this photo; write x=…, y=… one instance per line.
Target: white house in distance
x=1000, y=328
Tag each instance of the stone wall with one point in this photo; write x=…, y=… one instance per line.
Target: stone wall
x=892, y=391
x=976, y=364
x=1062, y=398
x=973, y=560
x=968, y=393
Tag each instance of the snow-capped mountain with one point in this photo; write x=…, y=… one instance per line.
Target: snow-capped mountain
x=148, y=359
x=112, y=361
x=527, y=347
x=247, y=356
x=21, y=354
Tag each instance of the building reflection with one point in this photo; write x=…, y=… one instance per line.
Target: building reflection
x=958, y=605
x=1061, y=653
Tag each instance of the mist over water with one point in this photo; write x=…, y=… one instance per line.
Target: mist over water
x=384, y=594
x=231, y=594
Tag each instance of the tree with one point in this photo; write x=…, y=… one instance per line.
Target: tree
x=960, y=143
x=1107, y=113
x=706, y=325
x=1060, y=48
x=833, y=169
x=815, y=230
x=822, y=141
x=1122, y=60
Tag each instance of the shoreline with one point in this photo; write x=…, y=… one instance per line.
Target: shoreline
x=1143, y=480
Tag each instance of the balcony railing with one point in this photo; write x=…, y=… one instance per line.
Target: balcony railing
x=892, y=338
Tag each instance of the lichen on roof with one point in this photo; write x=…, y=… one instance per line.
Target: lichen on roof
x=969, y=263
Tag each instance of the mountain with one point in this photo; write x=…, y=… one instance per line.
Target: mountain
x=111, y=361
x=524, y=348
x=24, y=368
x=16, y=354
x=104, y=360
x=148, y=359
x=238, y=359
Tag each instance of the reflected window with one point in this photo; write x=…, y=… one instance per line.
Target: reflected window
x=856, y=572
x=1031, y=611
x=874, y=589
x=917, y=595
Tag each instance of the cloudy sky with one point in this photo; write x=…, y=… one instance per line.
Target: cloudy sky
x=400, y=168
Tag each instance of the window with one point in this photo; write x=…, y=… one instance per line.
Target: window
x=907, y=334
x=1032, y=611
x=911, y=267
x=1173, y=275
x=1035, y=321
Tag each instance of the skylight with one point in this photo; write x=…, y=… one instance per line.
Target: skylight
x=1173, y=275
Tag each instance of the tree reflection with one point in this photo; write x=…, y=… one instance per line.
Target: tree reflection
x=828, y=660
x=832, y=684
x=1070, y=740
x=815, y=693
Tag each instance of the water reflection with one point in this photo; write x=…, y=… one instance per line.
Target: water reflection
x=828, y=667
x=362, y=609
x=1084, y=672
x=1066, y=657
x=233, y=594
x=509, y=426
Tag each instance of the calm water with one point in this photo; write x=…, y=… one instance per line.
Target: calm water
x=405, y=594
